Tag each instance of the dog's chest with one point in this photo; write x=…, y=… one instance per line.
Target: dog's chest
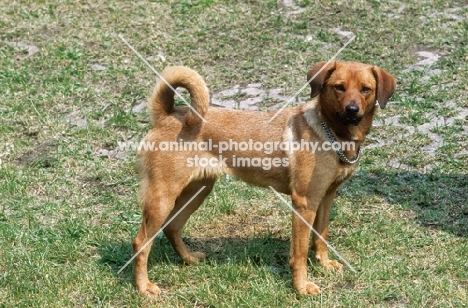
x=343, y=174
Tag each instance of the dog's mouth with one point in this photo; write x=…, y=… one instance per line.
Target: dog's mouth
x=349, y=120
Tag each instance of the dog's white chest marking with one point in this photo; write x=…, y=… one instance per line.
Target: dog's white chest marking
x=342, y=175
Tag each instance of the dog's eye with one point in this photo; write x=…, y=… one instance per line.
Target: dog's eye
x=339, y=88
x=365, y=90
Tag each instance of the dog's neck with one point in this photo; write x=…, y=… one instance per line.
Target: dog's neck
x=356, y=134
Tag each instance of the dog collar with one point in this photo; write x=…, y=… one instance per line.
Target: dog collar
x=332, y=140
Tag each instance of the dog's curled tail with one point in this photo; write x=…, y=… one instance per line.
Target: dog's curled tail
x=162, y=101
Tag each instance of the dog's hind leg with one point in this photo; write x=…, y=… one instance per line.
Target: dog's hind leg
x=157, y=203
x=174, y=230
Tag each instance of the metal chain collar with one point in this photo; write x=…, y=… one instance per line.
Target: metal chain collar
x=333, y=141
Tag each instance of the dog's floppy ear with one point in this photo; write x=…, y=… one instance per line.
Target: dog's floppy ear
x=319, y=74
x=385, y=86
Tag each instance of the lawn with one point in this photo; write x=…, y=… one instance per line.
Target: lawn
x=71, y=91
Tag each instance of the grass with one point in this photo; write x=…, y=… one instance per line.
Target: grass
x=68, y=213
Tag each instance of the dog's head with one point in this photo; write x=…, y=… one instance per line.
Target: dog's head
x=353, y=88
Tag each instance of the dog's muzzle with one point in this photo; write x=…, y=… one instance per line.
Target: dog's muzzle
x=350, y=116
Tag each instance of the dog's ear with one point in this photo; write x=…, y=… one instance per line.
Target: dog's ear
x=385, y=86
x=317, y=76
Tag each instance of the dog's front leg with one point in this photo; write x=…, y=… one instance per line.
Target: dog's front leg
x=321, y=226
x=300, y=245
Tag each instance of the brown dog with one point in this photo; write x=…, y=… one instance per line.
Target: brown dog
x=191, y=153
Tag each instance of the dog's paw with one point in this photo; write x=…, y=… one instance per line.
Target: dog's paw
x=194, y=257
x=200, y=256
x=149, y=289
x=309, y=288
x=332, y=265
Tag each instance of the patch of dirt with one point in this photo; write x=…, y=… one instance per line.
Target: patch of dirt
x=27, y=50
x=92, y=181
x=117, y=153
x=41, y=155
x=140, y=107
x=252, y=97
x=426, y=59
x=289, y=7
x=437, y=140
x=96, y=183
x=244, y=223
x=344, y=33
x=346, y=285
x=98, y=67
x=74, y=119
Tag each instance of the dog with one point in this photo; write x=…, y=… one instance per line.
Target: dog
x=347, y=95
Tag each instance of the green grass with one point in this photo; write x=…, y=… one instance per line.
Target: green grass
x=68, y=215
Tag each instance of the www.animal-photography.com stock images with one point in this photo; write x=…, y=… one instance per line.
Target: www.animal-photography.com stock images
x=210, y=153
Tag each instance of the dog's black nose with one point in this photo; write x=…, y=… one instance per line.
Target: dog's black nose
x=352, y=109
